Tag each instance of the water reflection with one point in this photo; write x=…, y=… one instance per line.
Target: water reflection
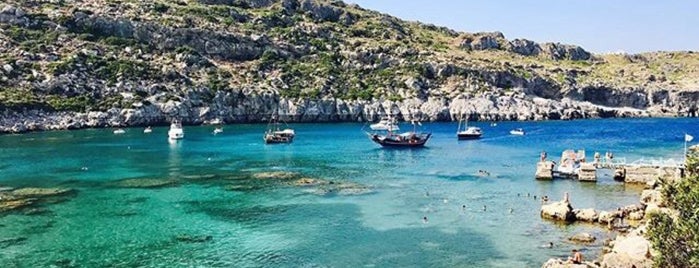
x=174, y=157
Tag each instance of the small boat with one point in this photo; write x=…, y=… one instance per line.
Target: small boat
x=275, y=134
x=119, y=131
x=387, y=123
x=468, y=133
x=407, y=139
x=147, y=130
x=218, y=130
x=176, y=131
x=517, y=131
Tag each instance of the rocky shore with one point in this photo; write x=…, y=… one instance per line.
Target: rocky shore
x=631, y=248
x=258, y=109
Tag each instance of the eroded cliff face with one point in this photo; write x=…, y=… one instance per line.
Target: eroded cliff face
x=96, y=63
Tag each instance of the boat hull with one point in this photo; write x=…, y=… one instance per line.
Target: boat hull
x=272, y=139
x=408, y=143
x=468, y=136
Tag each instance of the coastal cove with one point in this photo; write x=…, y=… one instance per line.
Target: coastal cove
x=330, y=198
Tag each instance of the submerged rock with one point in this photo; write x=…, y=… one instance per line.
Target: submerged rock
x=41, y=192
x=6, y=242
x=309, y=182
x=194, y=238
x=7, y=205
x=145, y=183
x=281, y=175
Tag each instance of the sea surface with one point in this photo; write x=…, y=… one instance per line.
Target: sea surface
x=214, y=211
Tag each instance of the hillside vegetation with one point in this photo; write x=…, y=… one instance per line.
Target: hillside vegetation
x=96, y=55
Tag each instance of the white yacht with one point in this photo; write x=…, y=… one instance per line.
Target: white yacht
x=119, y=131
x=176, y=131
x=147, y=130
x=517, y=131
x=218, y=130
x=387, y=123
x=468, y=132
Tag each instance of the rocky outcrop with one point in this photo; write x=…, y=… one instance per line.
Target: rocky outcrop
x=218, y=45
x=558, y=263
x=558, y=51
x=632, y=250
x=558, y=211
x=582, y=238
x=524, y=47
x=482, y=41
x=588, y=215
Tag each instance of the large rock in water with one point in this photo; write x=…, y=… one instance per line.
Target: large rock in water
x=559, y=211
x=588, y=214
x=632, y=251
x=558, y=263
x=583, y=238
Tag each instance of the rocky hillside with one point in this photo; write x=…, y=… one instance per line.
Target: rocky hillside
x=95, y=63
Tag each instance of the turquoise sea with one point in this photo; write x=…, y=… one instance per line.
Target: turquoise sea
x=214, y=212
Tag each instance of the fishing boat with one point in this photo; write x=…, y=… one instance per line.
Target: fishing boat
x=468, y=133
x=517, y=131
x=176, y=131
x=275, y=134
x=406, y=140
x=147, y=130
x=387, y=123
x=119, y=131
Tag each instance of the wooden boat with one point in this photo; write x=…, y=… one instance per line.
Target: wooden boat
x=406, y=140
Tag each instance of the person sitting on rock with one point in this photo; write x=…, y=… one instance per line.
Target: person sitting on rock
x=577, y=257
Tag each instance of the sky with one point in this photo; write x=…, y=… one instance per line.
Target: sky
x=600, y=26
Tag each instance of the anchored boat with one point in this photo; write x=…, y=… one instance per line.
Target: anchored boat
x=176, y=131
x=275, y=134
x=468, y=133
x=406, y=139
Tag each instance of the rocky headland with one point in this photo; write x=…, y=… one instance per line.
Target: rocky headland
x=101, y=63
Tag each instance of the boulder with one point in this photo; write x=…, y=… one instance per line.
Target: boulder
x=582, y=238
x=588, y=214
x=558, y=263
x=652, y=197
x=608, y=216
x=558, y=211
x=524, y=47
x=633, y=250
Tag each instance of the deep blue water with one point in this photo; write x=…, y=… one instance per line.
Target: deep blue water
x=247, y=222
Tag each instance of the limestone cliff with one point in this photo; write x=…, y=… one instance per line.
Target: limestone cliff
x=93, y=63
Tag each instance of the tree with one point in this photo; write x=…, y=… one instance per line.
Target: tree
x=677, y=237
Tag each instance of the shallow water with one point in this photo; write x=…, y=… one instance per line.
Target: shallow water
x=212, y=213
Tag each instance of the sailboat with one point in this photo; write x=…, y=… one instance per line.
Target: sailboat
x=176, y=131
x=275, y=134
x=386, y=123
x=405, y=139
x=467, y=133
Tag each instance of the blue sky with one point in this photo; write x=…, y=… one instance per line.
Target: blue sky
x=597, y=25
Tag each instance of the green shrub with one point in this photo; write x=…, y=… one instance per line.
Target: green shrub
x=677, y=239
